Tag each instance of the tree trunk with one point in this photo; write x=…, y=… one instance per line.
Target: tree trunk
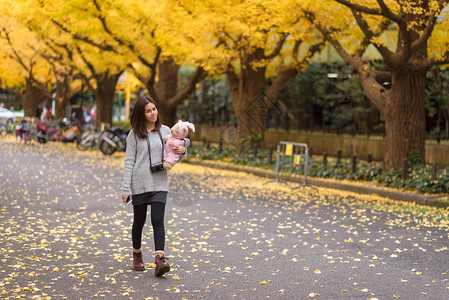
x=446, y=117
x=446, y=135
x=31, y=98
x=60, y=107
x=405, y=118
x=104, y=96
x=63, y=94
x=251, y=105
x=165, y=88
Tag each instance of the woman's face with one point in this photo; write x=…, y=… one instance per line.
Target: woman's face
x=151, y=113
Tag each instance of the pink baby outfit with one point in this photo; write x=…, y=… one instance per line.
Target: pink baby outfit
x=169, y=155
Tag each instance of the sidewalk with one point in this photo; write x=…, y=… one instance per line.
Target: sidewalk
x=326, y=183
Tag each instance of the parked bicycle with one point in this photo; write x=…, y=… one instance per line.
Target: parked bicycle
x=89, y=139
x=70, y=131
x=113, y=139
x=44, y=131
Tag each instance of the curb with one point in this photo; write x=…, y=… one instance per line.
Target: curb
x=428, y=200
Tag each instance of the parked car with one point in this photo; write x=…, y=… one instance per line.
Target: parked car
x=6, y=116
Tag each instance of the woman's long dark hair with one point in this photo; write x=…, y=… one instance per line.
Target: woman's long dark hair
x=138, y=120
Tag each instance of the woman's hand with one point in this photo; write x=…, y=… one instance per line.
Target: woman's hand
x=179, y=150
x=124, y=197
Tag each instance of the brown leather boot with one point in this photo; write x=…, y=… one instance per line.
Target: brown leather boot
x=161, y=266
x=138, y=264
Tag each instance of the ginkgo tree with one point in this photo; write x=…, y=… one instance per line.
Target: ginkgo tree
x=91, y=54
x=398, y=91
x=23, y=71
x=131, y=30
x=243, y=40
x=65, y=84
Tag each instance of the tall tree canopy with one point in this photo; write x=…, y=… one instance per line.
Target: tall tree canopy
x=24, y=71
x=247, y=41
x=131, y=29
x=421, y=28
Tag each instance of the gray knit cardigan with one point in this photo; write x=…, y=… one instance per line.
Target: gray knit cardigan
x=137, y=177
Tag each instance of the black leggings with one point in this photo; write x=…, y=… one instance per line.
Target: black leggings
x=157, y=220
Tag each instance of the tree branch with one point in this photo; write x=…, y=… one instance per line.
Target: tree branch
x=84, y=38
x=286, y=75
x=387, y=13
x=295, y=50
x=87, y=63
x=278, y=47
x=368, y=77
x=369, y=35
x=360, y=8
x=426, y=32
x=120, y=41
x=16, y=56
x=355, y=62
x=199, y=75
x=425, y=64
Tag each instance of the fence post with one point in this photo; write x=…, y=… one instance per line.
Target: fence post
x=270, y=155
x=338, y=155
x=353, y=163
x=433, y=172
x=404, y=169
x=255, y=149
x=325, y=160
x=370, y=158
x=220, y=146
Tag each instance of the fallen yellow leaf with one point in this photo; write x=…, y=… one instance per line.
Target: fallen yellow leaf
x=176, y=277
x=263, y=282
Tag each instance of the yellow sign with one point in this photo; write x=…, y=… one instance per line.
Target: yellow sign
x=288, y=149
x=297, y=159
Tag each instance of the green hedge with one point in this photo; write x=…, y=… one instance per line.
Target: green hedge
x=418, y=178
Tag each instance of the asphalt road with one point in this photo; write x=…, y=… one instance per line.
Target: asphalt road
x=66, y=235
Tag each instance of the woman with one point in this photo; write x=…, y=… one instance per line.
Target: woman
x=144, y=181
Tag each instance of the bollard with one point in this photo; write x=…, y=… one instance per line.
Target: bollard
x=325, y=160
x=310, y=152
x=353, y=163
x=433, y=172
x=370, y=158
x=404, y=169
x=255, y=150
x=208, y=145
x=204, y=142
x=338, y=155
x=270, y=155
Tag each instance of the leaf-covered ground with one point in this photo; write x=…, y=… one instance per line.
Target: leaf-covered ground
x=230, y=235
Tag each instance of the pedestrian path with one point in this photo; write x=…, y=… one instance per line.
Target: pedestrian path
x=65, y=234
